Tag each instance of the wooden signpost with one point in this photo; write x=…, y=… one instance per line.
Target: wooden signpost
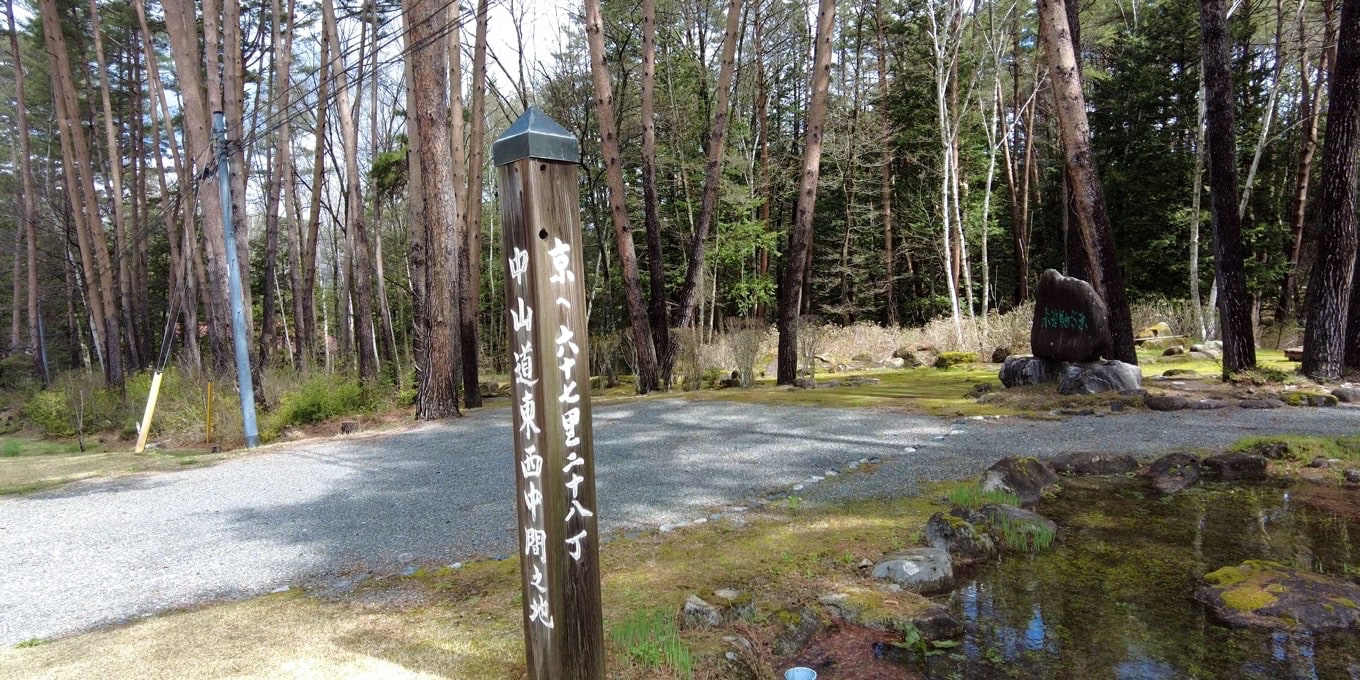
x=554, y=454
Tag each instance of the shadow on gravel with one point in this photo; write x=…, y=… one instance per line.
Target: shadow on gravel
x=444, y=494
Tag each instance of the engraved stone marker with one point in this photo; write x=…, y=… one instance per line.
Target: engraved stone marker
x=1071, y=322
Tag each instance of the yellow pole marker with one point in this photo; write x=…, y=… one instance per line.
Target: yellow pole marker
x=150, y=409
x=208, y=426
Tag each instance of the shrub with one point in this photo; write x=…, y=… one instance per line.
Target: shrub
x=746, y=338
x=319, y=399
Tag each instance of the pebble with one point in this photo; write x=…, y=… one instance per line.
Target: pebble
x=456, y=565
x=814, y=479
x=409, y=571
x=910, y=449
x=853, y=465
x=281, y=589
x=831, y=473
x=797, y=487
x=938, y=437
x=953, y=432
x=701, y=520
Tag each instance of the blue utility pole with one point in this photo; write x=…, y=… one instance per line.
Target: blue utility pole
x=238, y=315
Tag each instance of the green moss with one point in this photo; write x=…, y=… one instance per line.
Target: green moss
x=1248, y=598
x=952, y=359
x=1226, y=577
x=1346, y=602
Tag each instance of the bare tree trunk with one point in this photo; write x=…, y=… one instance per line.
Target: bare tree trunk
x=438, y=393
x=312, y=237
x=27, y=213
x=886, y=175
x=1239, y=345
x=472, y=217
x=122, y=274
x=623, y=236
x=1325, y=343
x=658, y=314
x=415, y=209
x=355, y=228
x=1309, y=105
x=467, y=306
x=184, y=274
x=763, y=131
x=1086, y=189
x=712, y=177
x=99, y=276
x=182, y=25
x=790, y=289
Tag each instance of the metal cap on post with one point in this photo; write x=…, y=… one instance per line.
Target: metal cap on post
x=535, y=135
x=238, y=314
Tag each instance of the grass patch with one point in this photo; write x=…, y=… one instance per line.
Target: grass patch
x=650, y=639
x=972, y=496
x=43, y=464
x=1301, y=448
x=943, y=392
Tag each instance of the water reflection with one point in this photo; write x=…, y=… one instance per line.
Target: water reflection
x=1113, y=599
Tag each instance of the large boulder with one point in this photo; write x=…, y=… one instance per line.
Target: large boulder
x=1098, y=377
x=1030, y=370
x=1161, y=329
x=1071, y=322
x=1265, y=594
x=1093, y=463
x=920, y=570
x=1025, y=477
x=964, y=542
x=1173, y=472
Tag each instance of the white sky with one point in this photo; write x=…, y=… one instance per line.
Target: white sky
x=541, y=22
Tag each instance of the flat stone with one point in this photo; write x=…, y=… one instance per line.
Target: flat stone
x=1093, y=463
x=921, y=570
x=1173, y=472
x=957, y=536
x=698, y=613
x=1235, y=466
x=1025, y=477
x=1262, y=403
x=1208, y=404
x=1347, y=395
x=1169, y=402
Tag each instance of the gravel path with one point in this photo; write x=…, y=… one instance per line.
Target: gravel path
x=300, y=514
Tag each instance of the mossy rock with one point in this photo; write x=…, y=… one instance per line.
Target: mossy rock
x=1304, y=398
x=1160, y=329
x=1264, y=594
x=951, y=359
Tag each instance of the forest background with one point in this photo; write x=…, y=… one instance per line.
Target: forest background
x=365, y=210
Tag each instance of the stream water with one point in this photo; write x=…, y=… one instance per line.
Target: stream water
x=1112, y=599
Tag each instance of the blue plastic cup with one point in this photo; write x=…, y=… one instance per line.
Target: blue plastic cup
x=800, y=673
